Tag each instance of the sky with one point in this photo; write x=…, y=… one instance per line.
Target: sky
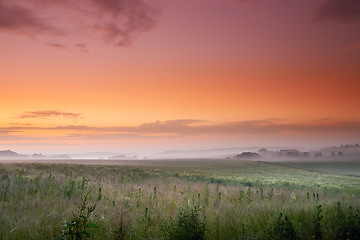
x=146, y=76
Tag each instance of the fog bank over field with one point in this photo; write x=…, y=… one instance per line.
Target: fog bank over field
x=271, y=154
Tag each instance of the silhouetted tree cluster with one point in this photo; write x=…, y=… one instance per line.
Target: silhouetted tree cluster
x=318, y=154
x=248, y=155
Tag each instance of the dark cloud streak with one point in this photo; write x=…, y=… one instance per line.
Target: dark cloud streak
x=81, y=46
x=192, y=127
x=321, y=119
x=117, y=22
x=7, y=131
x=56, y=45
x=49, y=114
x=125, y=18
x=342, y=11
x=23, y=20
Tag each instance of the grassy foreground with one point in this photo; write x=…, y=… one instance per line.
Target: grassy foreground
x=197, y=199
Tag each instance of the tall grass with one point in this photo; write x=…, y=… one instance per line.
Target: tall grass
x=46, y=201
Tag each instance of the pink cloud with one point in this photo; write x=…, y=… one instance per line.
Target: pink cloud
x=49, y=114
x=18, y=19
x=339, y=10
x=115, y=22
x=193, y=127
x=57, y=45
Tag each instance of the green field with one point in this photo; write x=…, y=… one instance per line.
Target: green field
x=177, y=199
x=348, y=166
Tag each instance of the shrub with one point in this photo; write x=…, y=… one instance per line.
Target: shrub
x=284, y=228
x=348, y=223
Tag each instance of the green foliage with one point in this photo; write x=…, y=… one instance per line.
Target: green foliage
x=189, y=226
x=78, y=227
x=138, y=197
x=347, y=223
x=155, y=200
x=120, y=231
x=317, y=231
x=284, y=228
x=69, y=189
x=99, y=194
x=207, y=194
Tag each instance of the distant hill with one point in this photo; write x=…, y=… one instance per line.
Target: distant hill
x=9, y=154
x=95, y=155
x=206, y=153
x=56, y=156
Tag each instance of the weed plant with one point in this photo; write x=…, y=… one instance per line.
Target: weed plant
x=78, y=227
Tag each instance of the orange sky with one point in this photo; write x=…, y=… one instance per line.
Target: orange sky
x=129, y=75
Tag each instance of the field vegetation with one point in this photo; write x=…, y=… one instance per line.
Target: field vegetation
x=176, y=199
x=349, y=166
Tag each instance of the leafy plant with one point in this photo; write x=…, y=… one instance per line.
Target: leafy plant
x=120, y=231
x=348, y=225
x=317, y=222
x=79, y=224
x=189, y=226
x=284, y=228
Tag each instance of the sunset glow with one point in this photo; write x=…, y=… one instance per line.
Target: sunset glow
x=145, y=76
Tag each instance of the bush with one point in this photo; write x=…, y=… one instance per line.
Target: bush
x=348, y=223
x=284, y=228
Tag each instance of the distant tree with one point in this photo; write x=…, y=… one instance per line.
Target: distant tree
x=292, y=154
x=318, y=154
x=306, y=154
x=340, y=154
x=37, y=155
x=248, y=155
x=263, y=151
x=333, y=154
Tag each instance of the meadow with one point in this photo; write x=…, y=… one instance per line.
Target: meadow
x=176, y=199
x=349, y=166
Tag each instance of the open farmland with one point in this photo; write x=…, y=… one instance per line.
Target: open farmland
x=349, y=166
x=175, y=199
